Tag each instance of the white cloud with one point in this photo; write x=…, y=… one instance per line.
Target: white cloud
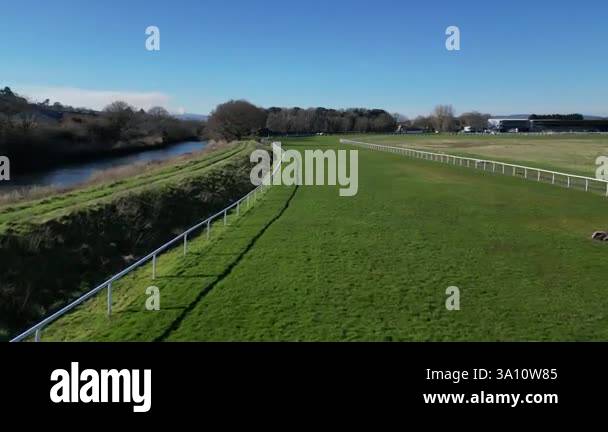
x=95, y=99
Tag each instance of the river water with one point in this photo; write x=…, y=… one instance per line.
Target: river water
x=75, y=173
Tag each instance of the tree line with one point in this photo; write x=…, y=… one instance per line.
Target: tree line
x=36, y=135
x=443, y=119
x=236, y=119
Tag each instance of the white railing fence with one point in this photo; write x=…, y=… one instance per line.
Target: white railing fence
x=572, y=181
x=235, y=209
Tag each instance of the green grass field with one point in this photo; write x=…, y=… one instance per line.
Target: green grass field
x=306, y=265
x=574, y=154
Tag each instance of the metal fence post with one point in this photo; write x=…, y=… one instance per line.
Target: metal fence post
x=568, y=181
x=109, y=299
x=37, y=335
x=208, y=229
x=238, y=208
x=225, y=217
x=539, y=175
x=185, y=244
x=153, y=267
x=553, y=178
x=586, y=185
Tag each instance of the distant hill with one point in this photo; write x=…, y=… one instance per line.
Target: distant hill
x=188, y=116
x=513, y=116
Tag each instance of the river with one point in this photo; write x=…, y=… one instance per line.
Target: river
x=75, y=173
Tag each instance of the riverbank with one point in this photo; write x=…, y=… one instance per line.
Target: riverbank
x=69, y=175
x=55, y=248
x=88, y=153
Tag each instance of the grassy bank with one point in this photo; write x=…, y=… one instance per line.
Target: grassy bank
x=309, y=265
x=15, y=218
x=56, y=248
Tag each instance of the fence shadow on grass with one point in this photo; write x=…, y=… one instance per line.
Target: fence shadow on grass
x=176, y=323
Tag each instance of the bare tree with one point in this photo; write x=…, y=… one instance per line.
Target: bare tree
x=422, y=122
x=361, y=124
x=443, y=118
x=12, y=104
x=119, y=114
x=118, y=106
x=158, y=112
x=235, y=120
x=475, y=120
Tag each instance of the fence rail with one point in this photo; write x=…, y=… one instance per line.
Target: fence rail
x=36, y=330
x=572, y=181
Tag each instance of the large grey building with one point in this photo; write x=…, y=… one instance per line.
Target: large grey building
x=547, y=125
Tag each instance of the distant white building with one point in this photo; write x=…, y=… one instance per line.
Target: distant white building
x=548, y=125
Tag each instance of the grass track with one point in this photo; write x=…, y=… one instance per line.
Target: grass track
x=573, y=154
x=181, y=280
x=376, y=266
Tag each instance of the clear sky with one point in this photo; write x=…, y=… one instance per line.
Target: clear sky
x=516, y=56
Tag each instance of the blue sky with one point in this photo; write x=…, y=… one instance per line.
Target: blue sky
x=516, y=57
